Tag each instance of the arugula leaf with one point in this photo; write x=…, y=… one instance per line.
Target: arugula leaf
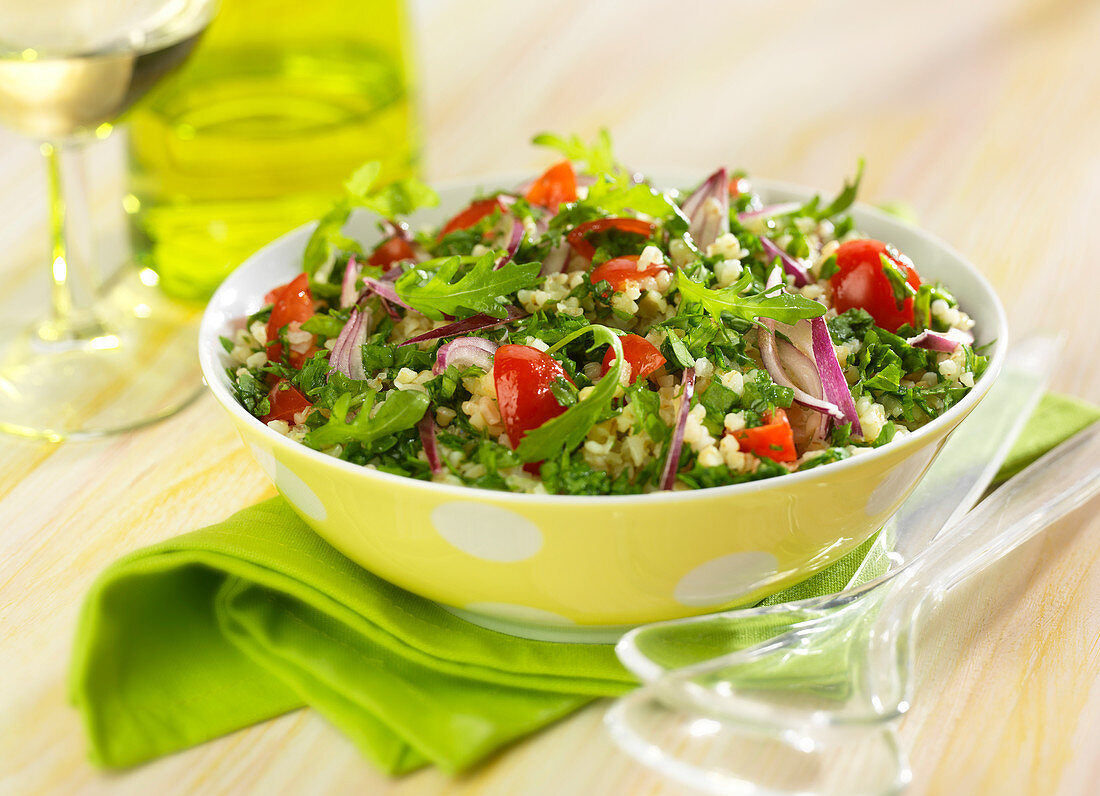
x=568, y=430
x=598, y=157
x=436, y=288
x=776, y=304
x=401, y=410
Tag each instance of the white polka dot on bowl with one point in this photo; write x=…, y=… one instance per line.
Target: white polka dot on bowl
x=487, y=532
x=724, y=579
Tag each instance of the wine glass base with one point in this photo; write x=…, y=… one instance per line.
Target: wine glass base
x=138, y=366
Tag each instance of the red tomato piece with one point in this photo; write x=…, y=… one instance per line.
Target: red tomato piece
x=738, y=186
x=291, y=302
x=556, y=185
x=390, y=251
x=286, y=401
x=621, y=270
x=581, y=245
x=774, y=439
x=642, y=356
x=861, y=282
x=471, y=215
x=522, y=376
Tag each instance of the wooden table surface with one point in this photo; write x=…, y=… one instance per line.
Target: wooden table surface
x=984, y=116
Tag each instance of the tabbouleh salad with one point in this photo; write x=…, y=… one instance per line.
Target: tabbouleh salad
x=591, y=334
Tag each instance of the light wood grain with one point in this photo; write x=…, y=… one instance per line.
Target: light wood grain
x=984, y=116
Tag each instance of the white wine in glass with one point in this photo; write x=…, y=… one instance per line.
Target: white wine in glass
x=104, y=358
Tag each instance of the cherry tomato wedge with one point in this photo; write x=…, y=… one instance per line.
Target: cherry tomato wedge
x=581, y=245
x=286, y=401
x=522, y=376
x=621, y=270
x=291, y=302
x=556, y=185
x=738, y=186
x=390, y=251
x=774, y=439
x=642, y=356
x=471, y=215
x=861, y=282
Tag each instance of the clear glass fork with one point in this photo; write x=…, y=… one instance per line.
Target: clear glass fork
x=812, y=709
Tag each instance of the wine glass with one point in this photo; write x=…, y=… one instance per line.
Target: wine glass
x=109, y=355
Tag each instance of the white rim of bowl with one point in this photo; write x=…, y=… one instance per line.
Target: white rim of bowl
x=214, y=374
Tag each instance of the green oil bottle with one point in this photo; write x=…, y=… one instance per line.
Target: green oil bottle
x=279, y=104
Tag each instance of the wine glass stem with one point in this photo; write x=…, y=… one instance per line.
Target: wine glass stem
x=73, y=280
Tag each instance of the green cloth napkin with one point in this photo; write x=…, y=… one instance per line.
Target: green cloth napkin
x=245, y=620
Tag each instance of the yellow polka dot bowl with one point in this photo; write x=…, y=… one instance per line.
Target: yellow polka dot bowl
x=588, y=568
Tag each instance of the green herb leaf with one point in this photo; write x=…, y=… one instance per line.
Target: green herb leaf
x=398, y=198
x=680, y=354
x=324, y=324
x=828, y=268
x=850, y=325
x=401, y=410
x=438, y=288
x=898, y=283
x=843, y=200
x=568, y=430
x=598, y=156
x=776, y=304
x=613, y=198
x=328, y=239
x=564, y=392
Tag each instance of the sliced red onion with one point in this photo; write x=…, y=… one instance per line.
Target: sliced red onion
x=708, y=209
x=768, y=211
x=465, y=352
x=384, y=289
x=941, y=341
x=672, y=463
x=811, y=394
x=513, y=244
x=790, y=264
x=833, y=383
x=474, y=323
x=556, y=259
x=348, y=293
x=775, y=277
x=346, y=356
x=426, y=427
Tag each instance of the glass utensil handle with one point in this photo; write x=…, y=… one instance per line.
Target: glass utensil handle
x=1061, y=481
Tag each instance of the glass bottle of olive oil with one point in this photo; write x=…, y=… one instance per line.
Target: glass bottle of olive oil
x=280, y=103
